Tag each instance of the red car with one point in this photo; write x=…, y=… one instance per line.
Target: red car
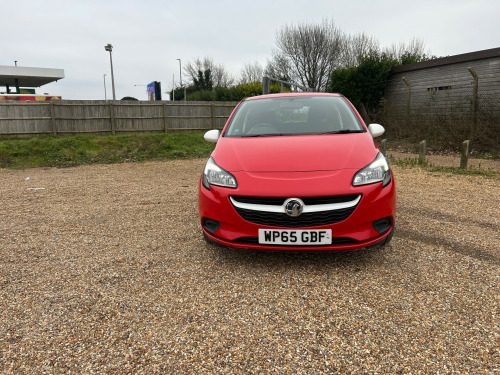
x=297, y=171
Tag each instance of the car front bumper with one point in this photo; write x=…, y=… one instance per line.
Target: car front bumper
x=370, y=223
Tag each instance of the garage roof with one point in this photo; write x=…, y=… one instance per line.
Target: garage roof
x=28, y=76
x=464, y=57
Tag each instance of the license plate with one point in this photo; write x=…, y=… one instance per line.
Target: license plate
x=295, y=237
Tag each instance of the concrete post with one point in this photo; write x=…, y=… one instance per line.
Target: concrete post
x=465, y=155
x=422, y=151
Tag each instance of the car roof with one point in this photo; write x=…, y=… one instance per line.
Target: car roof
x=292, y=94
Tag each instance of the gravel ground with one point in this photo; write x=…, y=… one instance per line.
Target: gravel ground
x=104, y=270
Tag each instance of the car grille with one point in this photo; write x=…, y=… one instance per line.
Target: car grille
x=262, y=215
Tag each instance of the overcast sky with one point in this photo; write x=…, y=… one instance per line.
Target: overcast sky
x=149, y=35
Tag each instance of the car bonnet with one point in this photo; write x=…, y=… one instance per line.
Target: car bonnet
x=295, y=153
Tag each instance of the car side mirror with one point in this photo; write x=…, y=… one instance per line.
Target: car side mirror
x=376, y=130
x=212, y=136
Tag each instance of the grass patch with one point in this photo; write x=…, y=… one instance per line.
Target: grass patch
x=407, y=162
x=20, y=153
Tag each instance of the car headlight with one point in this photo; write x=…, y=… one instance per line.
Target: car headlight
x=215, y=175
x=377, y=171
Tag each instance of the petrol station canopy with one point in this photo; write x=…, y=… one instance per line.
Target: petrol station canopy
x=24, y=76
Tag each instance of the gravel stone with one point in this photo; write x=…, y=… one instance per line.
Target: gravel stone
x=105, y=270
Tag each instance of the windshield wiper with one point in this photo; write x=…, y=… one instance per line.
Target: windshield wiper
x=344, y=131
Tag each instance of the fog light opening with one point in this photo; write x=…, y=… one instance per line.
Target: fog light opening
x=210, y=225
x=382, y=225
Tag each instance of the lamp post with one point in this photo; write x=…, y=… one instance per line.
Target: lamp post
x=180, y=71
x=180, y=75
x=109, y=48
x=105, y=96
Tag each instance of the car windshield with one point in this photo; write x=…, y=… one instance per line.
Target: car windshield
x=294, y=115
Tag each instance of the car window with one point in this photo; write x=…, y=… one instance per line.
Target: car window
x=296, y=115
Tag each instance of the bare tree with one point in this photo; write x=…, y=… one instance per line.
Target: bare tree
x=220, y=76
x=307, y=54
x=356, y=46
x=279, y=67
x=414, y=48
x=252, y=72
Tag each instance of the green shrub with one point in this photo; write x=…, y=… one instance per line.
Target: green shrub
x=233, y=93
x=365, y=83
x=201, y=96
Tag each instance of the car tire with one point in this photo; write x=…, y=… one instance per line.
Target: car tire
x=209, y=241
x=384, y=242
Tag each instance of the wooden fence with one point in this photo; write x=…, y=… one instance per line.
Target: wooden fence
x=69, y=117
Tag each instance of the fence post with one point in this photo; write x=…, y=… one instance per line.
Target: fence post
x=53, y=119
x=165, y=117
x=421, y=153
x=383, y=146
x=408, y=98
x=465, y=155
x=212, y=114
x=474, y=93
x=112, y=117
